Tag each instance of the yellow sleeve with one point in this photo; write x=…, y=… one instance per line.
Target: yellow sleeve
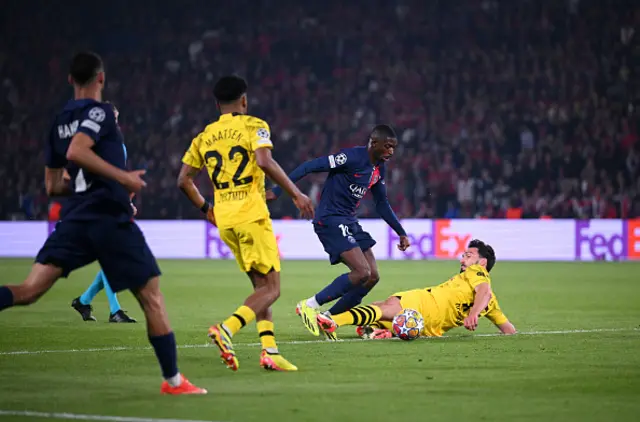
x=193, y=157
x=476, y=275
x=496, y=316
x=259, y=133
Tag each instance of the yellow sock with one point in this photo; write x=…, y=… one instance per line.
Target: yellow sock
x=360, y=315
x=267, y=336
x=241, y=317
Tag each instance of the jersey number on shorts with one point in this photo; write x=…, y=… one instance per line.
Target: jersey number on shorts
x=345, y=230
x=237, y=180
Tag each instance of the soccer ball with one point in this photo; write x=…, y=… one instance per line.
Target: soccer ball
x=408, y=324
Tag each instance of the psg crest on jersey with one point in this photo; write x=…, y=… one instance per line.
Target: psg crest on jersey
x=375, y=177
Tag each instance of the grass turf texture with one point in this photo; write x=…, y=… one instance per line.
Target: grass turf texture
x=554, y=377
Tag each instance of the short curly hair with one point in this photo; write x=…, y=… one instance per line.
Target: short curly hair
x=485, y=251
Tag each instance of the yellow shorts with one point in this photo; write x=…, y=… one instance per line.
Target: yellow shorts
x=422, y=301
x=254, y=246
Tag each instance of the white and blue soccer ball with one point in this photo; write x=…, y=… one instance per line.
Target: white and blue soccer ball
x=408, y=324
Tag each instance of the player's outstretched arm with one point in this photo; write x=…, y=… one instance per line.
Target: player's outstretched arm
x=272, y=169
x=480, y=302
x=507, y=328
x=317, y=165
x=56, y=181
x=379, y=192
x=80, y=152
x=189, y=188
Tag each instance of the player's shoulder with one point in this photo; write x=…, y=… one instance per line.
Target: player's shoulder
x=347, y=156
x=211, y=127
x=97, y=111
x=252, y=121
x=359, y=150
x=477, y=271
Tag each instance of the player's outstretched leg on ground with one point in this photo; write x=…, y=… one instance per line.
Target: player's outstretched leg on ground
x=361, y=315
x=359, y=275
x=37, y=283
x=163, y=340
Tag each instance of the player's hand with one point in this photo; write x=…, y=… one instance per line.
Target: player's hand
x=471, y=322
x=133, y=180
x=404, y=243
x=270, y=195
x=65, y=176
x=304, y=204
x=211, y=217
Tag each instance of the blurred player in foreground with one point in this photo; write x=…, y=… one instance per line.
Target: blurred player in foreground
x=352, y=172
x=97, y=218
x=82, y=304
x=460, y=301
x=236, y=150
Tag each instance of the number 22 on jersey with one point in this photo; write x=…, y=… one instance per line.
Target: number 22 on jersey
x=221, y=164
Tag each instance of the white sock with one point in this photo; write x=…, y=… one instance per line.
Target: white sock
x=175, y=380
x=313, y=303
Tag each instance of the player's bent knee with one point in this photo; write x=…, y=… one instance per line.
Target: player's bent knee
x=362, y=274
x=374, y=277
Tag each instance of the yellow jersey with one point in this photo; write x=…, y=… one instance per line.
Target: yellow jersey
x=454, y=299
x=227, y=148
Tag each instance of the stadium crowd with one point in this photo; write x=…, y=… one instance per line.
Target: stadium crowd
x=517, y=109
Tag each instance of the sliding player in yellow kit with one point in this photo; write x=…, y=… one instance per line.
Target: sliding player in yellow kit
x=236, y=150
x=461, y=300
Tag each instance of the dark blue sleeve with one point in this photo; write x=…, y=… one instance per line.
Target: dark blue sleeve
x=379, y=192
x=54, y=159
x=318, y=165
x=97, y=121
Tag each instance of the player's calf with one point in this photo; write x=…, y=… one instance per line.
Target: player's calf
x=162, y=339
x=37, y=283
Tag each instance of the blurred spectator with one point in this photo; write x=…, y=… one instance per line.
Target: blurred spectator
x=520, y=109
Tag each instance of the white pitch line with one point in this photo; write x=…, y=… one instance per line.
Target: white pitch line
x=78, y=417
x=296, y=342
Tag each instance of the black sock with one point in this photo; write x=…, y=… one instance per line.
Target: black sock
x=6, y=298
x=167, y=354
x=352, y=298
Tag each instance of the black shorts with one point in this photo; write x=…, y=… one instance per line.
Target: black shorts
x=120, y=249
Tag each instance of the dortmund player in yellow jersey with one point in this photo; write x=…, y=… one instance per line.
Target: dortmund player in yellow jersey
x=236, y=150
x=460, y=301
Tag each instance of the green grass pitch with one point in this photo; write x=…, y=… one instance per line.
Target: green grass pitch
x=566, y=375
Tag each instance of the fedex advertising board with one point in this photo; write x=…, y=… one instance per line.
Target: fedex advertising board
x=548, y=240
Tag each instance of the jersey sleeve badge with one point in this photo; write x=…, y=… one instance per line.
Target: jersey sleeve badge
x=337, y=160
x=97, y=114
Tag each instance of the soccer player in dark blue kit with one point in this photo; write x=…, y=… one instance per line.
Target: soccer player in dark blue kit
x=352, y=172
x=97, y=217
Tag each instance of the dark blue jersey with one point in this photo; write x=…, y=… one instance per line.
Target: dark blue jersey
x=93, y=197
x=351, y=176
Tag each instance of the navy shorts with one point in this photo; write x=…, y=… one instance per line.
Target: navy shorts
x=338, y=237
x=120, y=248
